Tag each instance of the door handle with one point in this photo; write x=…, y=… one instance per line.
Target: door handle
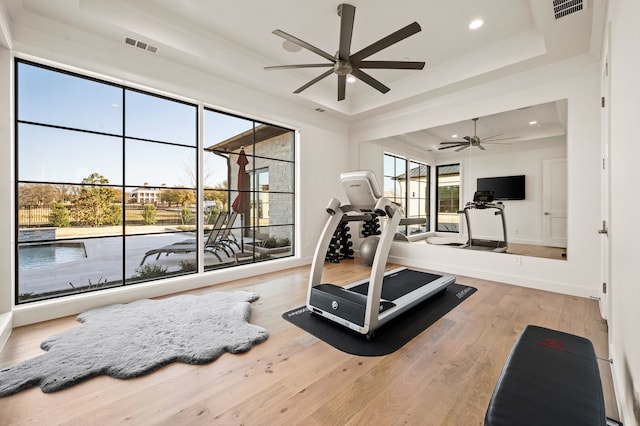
x=547, y=213
x=604, y=229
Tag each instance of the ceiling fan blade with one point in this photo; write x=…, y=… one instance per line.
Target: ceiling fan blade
x=347, y=14
x=314, y=81
x=391, y=65
x=287, y=67
x=304, y=44
x=464, y=147
x=467, y=138
x=482, y=147
x=452, y=142
x=489, y=139
x=363, y=76
x=342, y=87
x=385, y=42
x=453, y=146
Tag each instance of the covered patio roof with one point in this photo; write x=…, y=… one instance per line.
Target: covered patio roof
x=258, y=134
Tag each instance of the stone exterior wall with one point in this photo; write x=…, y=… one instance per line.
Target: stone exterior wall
x=281, y=179
x=36, y=234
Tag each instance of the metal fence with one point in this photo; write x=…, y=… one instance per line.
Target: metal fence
x=38, y=216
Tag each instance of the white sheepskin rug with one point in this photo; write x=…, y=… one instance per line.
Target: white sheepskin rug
x=137, y=338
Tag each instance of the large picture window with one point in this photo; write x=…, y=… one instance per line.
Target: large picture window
x=406, y=182
x=250, y=176
x=107, y=182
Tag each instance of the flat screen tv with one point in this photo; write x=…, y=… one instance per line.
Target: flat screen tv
x=504, y=187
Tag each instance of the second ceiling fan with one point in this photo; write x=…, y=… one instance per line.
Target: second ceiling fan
x=344, y=63
x=470, y=141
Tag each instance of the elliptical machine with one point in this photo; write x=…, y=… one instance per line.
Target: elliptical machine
x=484, y=200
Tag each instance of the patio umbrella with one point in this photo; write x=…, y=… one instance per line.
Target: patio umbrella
x=241, y=202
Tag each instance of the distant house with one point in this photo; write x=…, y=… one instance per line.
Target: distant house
x=144, y=195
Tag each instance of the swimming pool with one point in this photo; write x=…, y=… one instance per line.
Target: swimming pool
x=36, y=256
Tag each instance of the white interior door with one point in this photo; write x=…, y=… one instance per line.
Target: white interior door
x=554, y=202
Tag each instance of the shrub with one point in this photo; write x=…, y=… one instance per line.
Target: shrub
x=270, y=242
x=185, y=214
x=187, y=266
x=273, y=242
x=284, y=242
x=150, y=271
x=59, y=216
x=213, y=214
x=149, y=214
x=114, y=215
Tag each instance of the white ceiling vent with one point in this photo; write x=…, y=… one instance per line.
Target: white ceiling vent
x=140, y=45
x=563, y=8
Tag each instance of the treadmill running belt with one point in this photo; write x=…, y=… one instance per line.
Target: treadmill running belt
x=397, y=285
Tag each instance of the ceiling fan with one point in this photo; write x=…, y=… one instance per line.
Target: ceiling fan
x=344, y=63
x=473, y=140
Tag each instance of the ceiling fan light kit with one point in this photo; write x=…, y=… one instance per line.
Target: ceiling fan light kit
x=343, y=63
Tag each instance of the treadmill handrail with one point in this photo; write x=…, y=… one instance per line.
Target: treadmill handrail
x=379, y=265
x=330, y=226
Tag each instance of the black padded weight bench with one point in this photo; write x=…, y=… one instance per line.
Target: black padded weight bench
x=550, y=378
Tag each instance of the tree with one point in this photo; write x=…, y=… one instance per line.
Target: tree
x=97, y=204
x=169, y=196
x=37, y=194
x=177, y=196
x=59, y=216
x=218, y=193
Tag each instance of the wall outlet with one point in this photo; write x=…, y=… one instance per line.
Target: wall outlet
x=517, y=260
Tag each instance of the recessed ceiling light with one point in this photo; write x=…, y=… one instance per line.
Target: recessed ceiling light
x=532, y=123
x=351, y=79
x=475, y=24
x=454, y=136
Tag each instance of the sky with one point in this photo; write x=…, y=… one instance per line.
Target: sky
x=55, y=154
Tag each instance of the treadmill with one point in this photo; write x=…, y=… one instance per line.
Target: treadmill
x=484, y=200
x=366, y=305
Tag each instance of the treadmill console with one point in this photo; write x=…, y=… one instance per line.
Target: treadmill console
x=483, y=196
x=362, y=189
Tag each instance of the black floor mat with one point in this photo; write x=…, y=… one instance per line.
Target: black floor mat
x=388, y=338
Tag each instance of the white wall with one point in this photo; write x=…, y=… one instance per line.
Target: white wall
x=321, y=149
x=576, y=80
x=624, y=332
x=524, y=218
x=6, y=237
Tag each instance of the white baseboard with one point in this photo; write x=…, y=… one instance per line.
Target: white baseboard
x=6, y=326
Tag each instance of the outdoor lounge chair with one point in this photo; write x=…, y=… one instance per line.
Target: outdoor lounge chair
x=226, y=238
x=212, y=245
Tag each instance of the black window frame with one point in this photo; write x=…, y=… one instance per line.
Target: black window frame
x=123, y=185
x=405, y=197
x=438, y=200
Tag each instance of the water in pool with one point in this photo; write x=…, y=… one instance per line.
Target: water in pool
x=43, y=255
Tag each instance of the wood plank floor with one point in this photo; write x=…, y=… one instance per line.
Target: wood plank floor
x=538, y=251
x=445, y=376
